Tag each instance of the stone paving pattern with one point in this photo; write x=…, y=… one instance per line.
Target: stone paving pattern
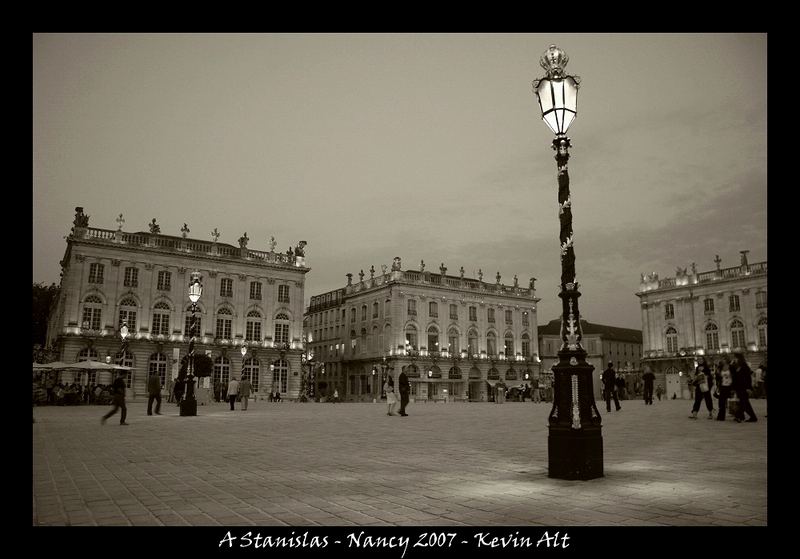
x=311, y=464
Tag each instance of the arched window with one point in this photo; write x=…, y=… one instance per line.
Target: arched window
x=364, y=339
x=158, y=364
x=433, y=338
x=187, y=326
x=363, y=312
x=126, y=360
x=472, y=342
x=222, y=370
x=92, y=311
x=491, y=343
x=411, y=336
x=509, y=345
x=224, y=323
x=712, y=336
x=672, y=340
x=374, y=343
x=762, y=332
x=161, y=312
x=454, y=373
x=452, y=342
x=526, y=346
x=737, y=334
x=280, y=376
x=87, y=354
x=251, y=371
x=253, y=330
x=127, y=313
x=281, y=328
x=375, y=307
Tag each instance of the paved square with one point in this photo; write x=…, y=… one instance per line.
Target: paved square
x=351, y=464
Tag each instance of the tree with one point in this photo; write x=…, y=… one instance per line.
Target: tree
x=44, y=297
x=203, y=366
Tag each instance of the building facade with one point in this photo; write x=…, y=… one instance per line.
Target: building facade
x=249, y=297
x=603, y=344
x=708, y=313
x=455, y=337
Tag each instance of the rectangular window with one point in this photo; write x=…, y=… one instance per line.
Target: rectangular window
x=490, y=315
x=226, y=288
x=708, y=304
x=224, y=328
x=160, y=324
x=164, y=280
x=412, y=307
x=473, y=314
x=525, y=319
x=363, y=312
x=375, y=310
x=454, y=312
x=509, y=317
x=453, y=345
x=131, y=277
x=712, y=340
x=364, y=384
x=187, y=327
x=509, y=347
x=255, y=290
x=282, y=333
x=129, y=317
x=526, y=348
x=95, y=273
x=433, y=310
x=283, y=293
x=91, y=318
x=387, y=308
x=669, y=311
x=761, y=300
x=352, y=315
x=734, y=303
x=253, y=332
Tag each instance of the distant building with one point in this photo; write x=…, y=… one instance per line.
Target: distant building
x=708, y=313
x=455, y=337
x=603, y=344
x=249, y=297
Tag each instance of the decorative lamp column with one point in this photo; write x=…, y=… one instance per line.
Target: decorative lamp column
x=243, y=350
x=123, y=350
x=575, y=444
x=189, y=402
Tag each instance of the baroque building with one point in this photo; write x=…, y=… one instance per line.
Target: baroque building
x=250, y=297
x=453, y=336
x=711, y=313
x=603, y=344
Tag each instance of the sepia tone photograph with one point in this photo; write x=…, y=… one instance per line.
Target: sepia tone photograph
x=293, y=282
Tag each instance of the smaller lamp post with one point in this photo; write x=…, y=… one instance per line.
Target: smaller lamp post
x=189, y=402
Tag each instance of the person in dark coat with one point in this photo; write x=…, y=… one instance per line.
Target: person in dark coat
x=742, y=384
x=609, y=387
x=648, y=377
x=178, y=391
x=153, y=393
x=404, y=387
x=118, y=399
x=702, y=382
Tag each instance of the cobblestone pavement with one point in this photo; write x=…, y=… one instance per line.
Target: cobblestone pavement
x=351, y=464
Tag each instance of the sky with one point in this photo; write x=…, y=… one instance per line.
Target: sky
x=423, y=146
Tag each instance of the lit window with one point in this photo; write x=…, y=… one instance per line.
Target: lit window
x=712, y=336
x=92, y=311
x=491, y=343
x=672, y=340
x=762, y=332
x=224, y=324
x=253, y=330
x=433, y=339
x=127, y=313
x=161, y=313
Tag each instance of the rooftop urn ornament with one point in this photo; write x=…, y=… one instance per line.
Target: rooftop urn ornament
x=461, y=272
x=497, y=277
x=81, y=219
x=694, y=269
x=421, y=265
x=532, y=283
x=243, y=240
x=349, y=279
x=717, y=261
x=442, y=269
x=272, y=244
x=516, y=281
x=120, y=222
x=185, y=230
x=744, y=257
x=480, y=274
x=361, y=275
x=215, y=235
x=155, y=228
x=384, y=267
x=299, y=250
x=372, y=272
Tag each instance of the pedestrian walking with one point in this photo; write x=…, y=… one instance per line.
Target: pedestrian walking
x=405, y=388
x=118, y=399
x=244, y=391
x=724, y=387
x=609, y=387
x=391, y=397
x=233, y=392
x=153, y=393
x=178, y=391
x=336, y=395
x=742, y=386
x=536, y=391
x=659, y=392
x=702, y=382
x=620, y=383
x=648, y=377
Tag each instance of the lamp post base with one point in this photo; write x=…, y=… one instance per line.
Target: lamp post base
x=575, y=453
x=189, y=407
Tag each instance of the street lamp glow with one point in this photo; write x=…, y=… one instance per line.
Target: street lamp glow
x=195, y=287
x=243, y=350
x=557, y=93
x=123, y=331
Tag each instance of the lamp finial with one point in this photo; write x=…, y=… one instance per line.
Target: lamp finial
x=553, y=61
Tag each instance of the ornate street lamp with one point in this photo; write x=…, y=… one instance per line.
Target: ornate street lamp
x=575, y=444
x=243, y=350
x=189, y=402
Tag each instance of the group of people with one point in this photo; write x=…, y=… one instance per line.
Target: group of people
x=49, y=392
x=729, y=377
